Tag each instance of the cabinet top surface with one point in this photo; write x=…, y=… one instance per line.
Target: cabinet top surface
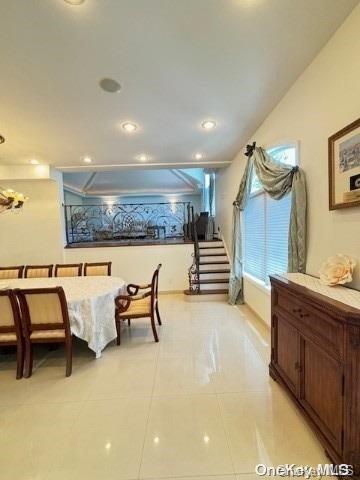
x=346, y=296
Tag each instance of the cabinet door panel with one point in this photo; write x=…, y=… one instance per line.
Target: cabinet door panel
x=321, y=391
x=287, y=352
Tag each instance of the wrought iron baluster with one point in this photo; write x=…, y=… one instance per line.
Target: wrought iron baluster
x=194, y=276
x=125, y=221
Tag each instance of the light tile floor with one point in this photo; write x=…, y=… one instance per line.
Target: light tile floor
x=199, y=405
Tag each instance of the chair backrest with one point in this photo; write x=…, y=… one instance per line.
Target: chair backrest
x=11, y=272
x=9, y=313
x=38, y=271
x=155, y=283
x=97, y=269
x=43, y=309
x=68, y=270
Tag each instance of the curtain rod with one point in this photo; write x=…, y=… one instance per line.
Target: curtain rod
x=250, y=149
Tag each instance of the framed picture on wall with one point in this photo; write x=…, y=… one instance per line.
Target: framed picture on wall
x=344, y=167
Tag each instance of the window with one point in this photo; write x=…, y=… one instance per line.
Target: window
x=209, y=193
x=266, y=224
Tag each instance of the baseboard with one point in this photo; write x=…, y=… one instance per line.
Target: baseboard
x=256, y=315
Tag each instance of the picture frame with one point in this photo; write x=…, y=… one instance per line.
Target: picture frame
x=344, y=167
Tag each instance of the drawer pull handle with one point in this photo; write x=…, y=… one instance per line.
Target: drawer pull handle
x=302, y=315
x=296, y=310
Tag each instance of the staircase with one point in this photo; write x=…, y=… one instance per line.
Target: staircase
x=209, y=273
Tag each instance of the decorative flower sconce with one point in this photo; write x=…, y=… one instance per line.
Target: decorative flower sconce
x=11, y=200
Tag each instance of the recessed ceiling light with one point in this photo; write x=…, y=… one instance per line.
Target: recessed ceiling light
x=142, y=157
x=208, y=124
x=34, y=161
x=87, y=160
x=129, y=127
x=110, y=85
x=198, y=156
x=74, y=2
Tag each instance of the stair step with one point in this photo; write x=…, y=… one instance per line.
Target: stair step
x=205, y=272
x=215, y=262
x=217, y=243
x=212, y=254
x=219, y=246
x=207, y=292
x=215, y=276
x=213, y=280
x=212, y=251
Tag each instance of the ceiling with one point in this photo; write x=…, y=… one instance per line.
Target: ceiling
x=179, y=62
x=135, y=182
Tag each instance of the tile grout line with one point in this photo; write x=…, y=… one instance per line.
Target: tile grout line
x=149, y=411
x=51, y=468
x=228, y=441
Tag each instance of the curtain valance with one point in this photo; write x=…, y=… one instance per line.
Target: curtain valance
x=277, y=180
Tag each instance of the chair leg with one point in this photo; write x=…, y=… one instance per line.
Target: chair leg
x=129, y=322
x=158, y=314
x=154, y=327
x=28, y=360
x=68, y=351
x=20, y=361
x=118, y=331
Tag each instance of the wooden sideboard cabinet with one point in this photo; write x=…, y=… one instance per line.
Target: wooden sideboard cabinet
x=315, y=355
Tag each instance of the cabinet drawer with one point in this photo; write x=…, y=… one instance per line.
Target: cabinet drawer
x=311, y=322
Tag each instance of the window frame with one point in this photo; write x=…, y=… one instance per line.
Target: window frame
x=286, y=144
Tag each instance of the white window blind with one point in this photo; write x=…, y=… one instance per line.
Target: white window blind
x=277, y=230
x=209, y=178
x=254, y=220
x=266, y=225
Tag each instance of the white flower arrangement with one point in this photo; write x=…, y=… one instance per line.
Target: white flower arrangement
x=337, y=270
x=9, y=200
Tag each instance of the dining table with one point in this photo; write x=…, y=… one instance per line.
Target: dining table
x=90, y=302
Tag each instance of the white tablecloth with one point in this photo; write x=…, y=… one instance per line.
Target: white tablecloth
x=90, y=303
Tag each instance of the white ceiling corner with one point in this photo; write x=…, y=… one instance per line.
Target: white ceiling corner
x=133, y=182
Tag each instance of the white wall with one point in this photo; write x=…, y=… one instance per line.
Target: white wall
x=35, y=234
x=136, y=264
x=71, y=198
x=324, y=99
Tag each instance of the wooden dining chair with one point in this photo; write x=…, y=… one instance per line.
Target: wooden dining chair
x=11, y=272
x=68, y=270
x=134, y=305
x=10, y=327
x=45, y=319
x=97, y=269
x=38, y=271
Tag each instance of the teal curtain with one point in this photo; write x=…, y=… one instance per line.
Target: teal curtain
x=236, y=274
x=277, y=180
